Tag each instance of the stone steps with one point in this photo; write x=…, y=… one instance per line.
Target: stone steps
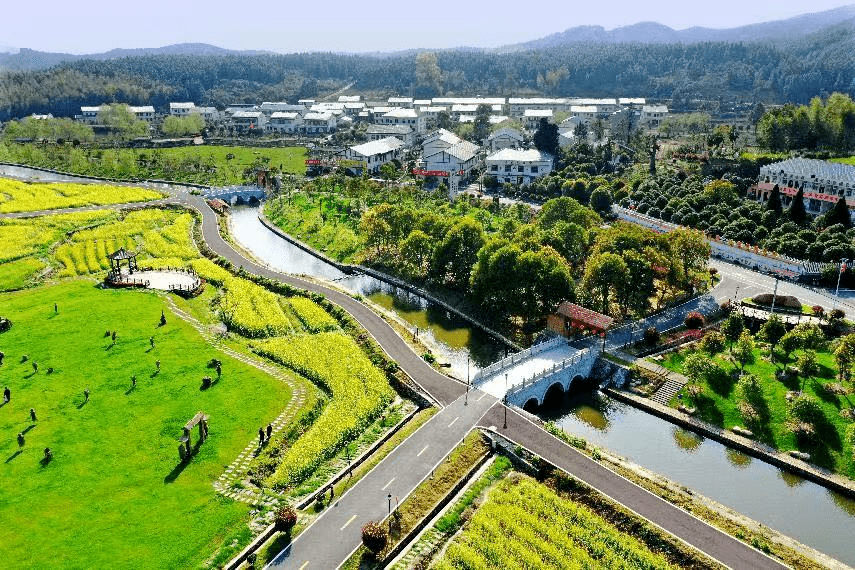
x=667, y=391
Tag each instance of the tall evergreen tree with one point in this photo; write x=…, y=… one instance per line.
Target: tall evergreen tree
x=797, y=213
x=546, y=137
x=839, y=214
x=774, y=202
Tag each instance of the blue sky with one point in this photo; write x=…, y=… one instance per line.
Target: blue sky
x=356, y=26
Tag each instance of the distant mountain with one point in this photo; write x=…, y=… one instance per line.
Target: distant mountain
x=28, y=59
x=653, y=33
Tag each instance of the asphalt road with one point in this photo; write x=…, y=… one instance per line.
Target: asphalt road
x=331, y=539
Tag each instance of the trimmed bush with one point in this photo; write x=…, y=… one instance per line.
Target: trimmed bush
x=374, y=537
x=286, y=518
x=651, y=336
x=694, y=320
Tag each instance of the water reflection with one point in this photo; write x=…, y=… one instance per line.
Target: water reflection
x=687, y=440
x=796, y=507
x=737, y=458
x=455, y=337
x=790, y=478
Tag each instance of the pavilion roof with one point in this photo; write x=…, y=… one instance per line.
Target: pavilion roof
x=122, y=253
x=587, y=317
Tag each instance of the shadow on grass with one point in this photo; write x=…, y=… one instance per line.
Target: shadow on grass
x=81, y=404
x=14, y=455
x=722, y=383
x=182, y=465
x=708, y=411
x=129, y=390
x=825, y=394
x=155, y=373
x=28, y=428
x=109, y=346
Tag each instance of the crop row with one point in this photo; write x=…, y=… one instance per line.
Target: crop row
x=16, y=196
x=525, y=524
x=359, y=392
x=252, y=310
x=312, y=315
x=23, y=237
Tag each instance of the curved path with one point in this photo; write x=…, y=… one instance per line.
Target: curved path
x=325, y=541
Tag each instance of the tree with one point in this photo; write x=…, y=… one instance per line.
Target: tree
x=481, y=126
x=119, y=119
x=796, y=212
x=774, y=202
x=844, y=356
x=388, y=171
x=374, y=537
x=732, y=327
x=567, y=210
x=806, y=363
x=839, y=214
x=428, y=73
x=443, y=120
x=743, y=350
x=699, y=367
x=181, y=126
x=604, y=273
x=580, y=131
x=416, y=250
x=772, y=331
x=790, y=342
x=458, y=252
x=712, y=343
x=546, y=137
x=601, y=201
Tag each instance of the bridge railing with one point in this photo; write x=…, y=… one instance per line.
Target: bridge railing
x=516, y=358
x=563, y=365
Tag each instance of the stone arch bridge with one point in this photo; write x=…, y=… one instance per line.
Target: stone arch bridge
x=237, y=194
x=525, y=378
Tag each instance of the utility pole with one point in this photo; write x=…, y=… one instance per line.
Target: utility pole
x=775, y=296
x=466, y=396
x=837, y=289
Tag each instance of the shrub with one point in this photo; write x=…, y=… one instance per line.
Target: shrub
x=651, y=336
x=817, y=310
x=374, y=537
x=694, y=320
x=836, y=314
x=713, y=342
x=286, y=518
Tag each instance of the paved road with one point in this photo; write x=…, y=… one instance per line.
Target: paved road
x=681, y=524
x=336, y=534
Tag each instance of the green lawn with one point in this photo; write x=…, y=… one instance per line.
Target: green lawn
x=847, y=160
x=200, y=164
x=719, y=405
x=115, y=495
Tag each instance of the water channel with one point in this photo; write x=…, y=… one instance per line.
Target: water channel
x=808, y=512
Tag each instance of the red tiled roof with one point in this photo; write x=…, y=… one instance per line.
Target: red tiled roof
x=587, y=317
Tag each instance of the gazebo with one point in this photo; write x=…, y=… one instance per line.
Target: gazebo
x=117, y=257
x=570, y=318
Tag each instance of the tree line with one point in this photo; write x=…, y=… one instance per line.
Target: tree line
x=775, y=72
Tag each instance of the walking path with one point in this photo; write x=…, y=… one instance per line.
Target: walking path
x=329, y=541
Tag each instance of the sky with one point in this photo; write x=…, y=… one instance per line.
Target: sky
x=93, y=26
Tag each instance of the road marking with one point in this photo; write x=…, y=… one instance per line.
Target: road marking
x=387, y=484
x=454, y=421
x=350, y=520
x=482, y=396
x=306, y=563
x=422, y=451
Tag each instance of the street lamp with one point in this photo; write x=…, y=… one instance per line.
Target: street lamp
x=506, y=401
x=837, y=289
x=389, y=497
x=466, y=396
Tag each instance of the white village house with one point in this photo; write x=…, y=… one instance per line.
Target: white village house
x=285, y=122
x=319, y=123
x=504, y=138
x=518, y=166
x=375, y=154
x=456, y=161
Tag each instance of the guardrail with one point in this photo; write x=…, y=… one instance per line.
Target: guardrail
x=517, y=357
x=566, y=363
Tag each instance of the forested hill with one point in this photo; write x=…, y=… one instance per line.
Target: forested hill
x=816, y=64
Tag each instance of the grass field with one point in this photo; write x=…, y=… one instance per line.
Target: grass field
x=16, y=196
x=719, y=404
x=214, y=165
x=114, y=495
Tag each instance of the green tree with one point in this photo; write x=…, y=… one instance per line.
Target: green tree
x=546, y=137
x=807, y=364
x=773, y=204
x=182, y=126
x=120, y=120
x=772, y=331
x=481, y=126
x=743, y=350
x=790, y=342
x=568, y=210
x=417, y=250
x=712, y=343
x=428, y=73
x=601, y=201
x=839, y=214
x=458, y=252
x=732, y=327
x=796, y=212
x=604, y=273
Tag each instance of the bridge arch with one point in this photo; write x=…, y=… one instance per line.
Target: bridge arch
x=555, y=393
x=531, y=405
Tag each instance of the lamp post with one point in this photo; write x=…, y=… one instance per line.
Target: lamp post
x=466, y=395
x=775, y=295
x=837, y=289
x=389, y=498
x=506, y=401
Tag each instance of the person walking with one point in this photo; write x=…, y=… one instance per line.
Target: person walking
x=269, y=431
x=260, y=436
x=32, y=414
x=7, y=395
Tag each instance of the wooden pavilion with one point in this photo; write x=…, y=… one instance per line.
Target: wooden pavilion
x=570, y=319
x=117, y=257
